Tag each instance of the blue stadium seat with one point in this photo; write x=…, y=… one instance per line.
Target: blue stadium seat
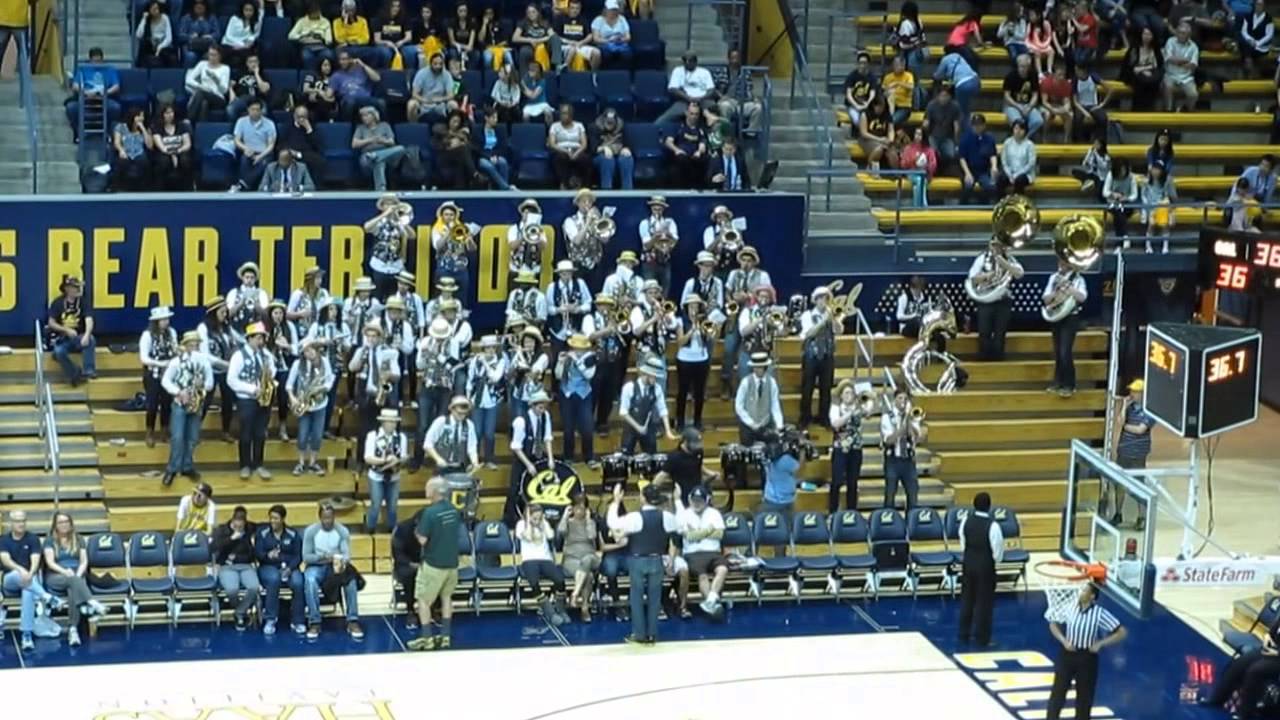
x=889, y=545
x=340, y=159
x=148, y=568
x=737, y=532
x=1015, y=557
x=473, y=85
x=930, y=556
x=529, y=154
x=579, y=90
x=191, y=563
x=1245, y=641
x=274, y=48
x=393, y=85
x=106, y=553
x=466, y=561
x=613, y=89
x=849, y=532
x=553, y=88
x=282, y=78
x=650, y=50
x=134, y=90
x=493, y=542
x=174, y=79
x=769, y=529
x=650, y=92
x=216, y=167
x=809, y=530
x=646, y=145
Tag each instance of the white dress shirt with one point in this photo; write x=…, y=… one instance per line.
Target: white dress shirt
x=326, y=381
x=479, y=369
x=614, y=282
x=444, y=426
x=647, y=225
x=146, y=354
x=983, y=264
x=633, y=522
x=199, y=363
x=246, y=390
x=518, y=431
x=372, y=456
x=994, y=535
x=752, y=384
x=904, y=299
x=296, y=300
x=629, y=392
x=364, y=357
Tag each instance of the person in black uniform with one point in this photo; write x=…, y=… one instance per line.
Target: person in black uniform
x=406, y=554
x=647, y=533
x=1088, y=628
x=983, y=544
x=1249, y=674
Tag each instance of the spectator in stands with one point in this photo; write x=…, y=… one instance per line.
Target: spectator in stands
x=94, y=82
x=197, y=511
x=1146, y=14
x=241, y=36
x=736, y=93
x=326, y=549
x=20, y=567
x=579, y=532
x=1143, y=70
x=942, y=122
x=490, y=149
x=1022, y=96
x=155, y=39
x=687, y=151
x=1012, y=32
x=1193, y=12
x=299, y=136
x=1241, y=211
x=287, y=174
x=1120, y=192
x=255, y=138
x=70, y=324
x=1158, y=194
x=1094, y=168
x=427, y=34
x=431, y=93
x=1063, y=37
x=209, y=86
x=454, y=153
x=899, y=87
x=1254, y=33
x=1114, y=17
x=1085, y=26
x=351, y=33
x=953, y=69
x=1040, y=39
x=1056, y=99
x=278, y=550
x=876, y=133
x=494, y=40
x=1262, y=179
x=1181, y=59
x=965, y=37
x=313, y=34
x=1275, y=112
x=570, y=156
x=247, y=85
x=574, y=35
x=506, y=95
x=171, y=151
x=534, y=88
x=689, y=84
x=612, y=34
x=66, y=563
x=1089, y=99
x=391, y=35
x=538, y=562
x=1161, y=151
x=376, y=145
x=533, y=36
x=1017, y=161
x=232, y=547
x=197, y=32
x=353, y=85
x=318, y=93
x=131, y=140
x=612, y=154
x=918, y=155
x=860, y=88
x=463, y=31
x=727, y=171
x=910, y=37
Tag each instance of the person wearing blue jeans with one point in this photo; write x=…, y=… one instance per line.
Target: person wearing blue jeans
x=187, y=375
x=309, y=384
x=385, y=450
x=20, y=560
x=485, y=378
x=899, y=437
x=647, y=533
x=613, y=564
x=490, y=150
x=326, y=549
x=70, y=326
x=575, y=370
x=964, y=81
x=278, y=548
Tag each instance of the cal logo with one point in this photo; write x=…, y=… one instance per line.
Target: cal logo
x=849, y=518
x=491, y=530
x=771, y=520
x=553, y=488
x=924, y=515
x=190, y=539
x=106, y=542
x=148, y=541
x=810, y=520
x=1000, y=513
x=887, y=516
x=962, y=513
x=731, y=522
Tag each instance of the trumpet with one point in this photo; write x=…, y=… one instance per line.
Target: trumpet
x=708, y=327
x=730, y=238
x=777, y=319
x=668, y=307
x=731, y=308
x=459, y=233
x=916, y=414
x=532, y=234
x=867, y=401
x=603, y=228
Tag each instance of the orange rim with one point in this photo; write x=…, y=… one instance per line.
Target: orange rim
x=1071, y=571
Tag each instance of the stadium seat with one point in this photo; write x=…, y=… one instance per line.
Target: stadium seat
x=466, y=567
x=340, y=159
x=769, y=529
x=1246, y=641
x=274, y=48
x=394, y=88
x=811, y=543
x=493, y=543
x=134, y=88
x=473, y=86
x=646, y=145
x=649, y=49
x=849, y=529
x=217, y=168
x=1015, y=557
x=282, y=78
x=737, y=540
x=579, y=90
x=929, y=554
x=106, y=553
x=171, y=79
x=191, y=564
x=529, y=154
x=650, y=92
x=149, y=551
x=613, y=89
x=889, y=545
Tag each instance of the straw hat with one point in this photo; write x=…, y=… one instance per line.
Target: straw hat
x=760, y=359
x=389, y=415
x=386, y=200
x=70, y=280
x=406, y=277
x=657, y=200
x=313, y=270
x=605, y=299
x=395, y=302
x=773, y=295
x=373, y=326
x=364, y=283
x=440, y=329
x=565, y=266
x=583, y=193
x=277, y=304
x=215, y=302
x=160, y=312
x=531, y=205
x=327, y=302
x=845, y=383
x=539, y=397
x=450, y=305
x=247, y=267
x=191, y=336
x=579, y=342
x=704, y=258
x=527, y=277
x=447, y=284
x=719, y=210
x=651, y=285
x=652, y=367
x=532, y=332
x=448, y=205
x=819, y=292
x=628, y=256
x=748, y=251
x=692, y=298
x=459, y=400
x=255, y=329
x=489, y=341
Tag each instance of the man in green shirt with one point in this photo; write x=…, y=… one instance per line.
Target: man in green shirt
x=438, y=573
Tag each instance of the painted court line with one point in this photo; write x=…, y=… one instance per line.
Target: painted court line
x=394, y=634
x=22, y=663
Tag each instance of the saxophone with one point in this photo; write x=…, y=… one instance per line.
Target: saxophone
x=195, y=394
x=386, y=386
x=313, y=392
x=266, y=385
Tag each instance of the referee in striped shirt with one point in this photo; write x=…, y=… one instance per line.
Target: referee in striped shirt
x=1088, y=629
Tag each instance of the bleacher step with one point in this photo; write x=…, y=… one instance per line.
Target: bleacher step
x=19, y=420
x=90, y=516
x=24, y=485
x=29, y=452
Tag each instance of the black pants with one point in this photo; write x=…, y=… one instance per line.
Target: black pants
x=1146, y=91
x=846, y=470
x=253, y=431
x=1018, y=184
x=993, y=323
x=687, y=172
x=648, y=442
x=1081, y=666
x=572, y=173
x=282, y=397
x=976, y=596
x=158, y=401
x=605, y=387
x=1064, y=340
x=691, y=378
x=226, y=399
x=172, y=173
x=1249, y=674
x=535, y=571
x=819, y=371
x=749, y=436
x=407, y=577
x=368, y=421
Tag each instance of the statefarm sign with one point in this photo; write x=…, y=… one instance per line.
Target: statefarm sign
x=1216, y=571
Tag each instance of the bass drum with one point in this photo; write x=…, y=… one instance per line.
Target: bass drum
x=464, y=493
x=551, y=487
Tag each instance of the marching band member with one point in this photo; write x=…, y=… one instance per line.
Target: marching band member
x=651, y=326
x=304, y=303
x=642, y=407
x=658, y=237
x=376, y=369
x=454, y=243
x=846, y=417
x=446, y=289
x=583, y=246
x=334, y=339
x=487, y=388
x=400, y=334
x=568, y=300
x=706, y=286
x=754, y=327
x=451, y=440
x=899, y=437
x=993, y=314
x=247, y=303
x=601, y=328
x=415, y=310
x=737, y=289
x=818, y=332
x=157, y=345
x=385, y=450
x=758, y=403
x=460, y=339
x=217, y=343
x=693, y=358
x=524, y=246
x=249, y=367
x=307, y=386
x=356, y=313
x=526, y=366
x=188, y=378
x=435, y=374
x=623, y=285
x=527, y=301
x=725, y=249
x=1065, y=282
x=390, y=230
x=531, y=439
x=282, y=342
x=575, y=370
x=911, y=304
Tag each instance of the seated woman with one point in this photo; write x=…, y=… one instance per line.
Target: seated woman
x=490, y=152
x=318, y=92
x=1012, y=32
x=197, y=32
x=1093, y=168
x=131, y=140
x=1017, y=161
x=1120, y=193
x=171, y=152
x=155, y=39
x=1040, y=39
x=463, y=32
x=570, y=156
x=232, y=547
x=612, y=34
x=918, y=155
x=240, y=39
x=453, y=153
x=612, y=155
x=533, y=38
x=66, y=572
x=580, y=532
x=537, y=563
x=1158, y=195
x=506, y=95
x=493, y=38
x=313, y=36
x=1143, y=70
x=875, y=134
x=1249, y=675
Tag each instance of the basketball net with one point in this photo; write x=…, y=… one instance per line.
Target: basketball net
x=1062, y=581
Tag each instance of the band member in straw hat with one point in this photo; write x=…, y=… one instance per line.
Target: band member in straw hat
x=757, y=331
x=568, y=300
x=446, y=290
x=248, y=367
x=658, y=237
x=531, y=438
x=737, y=289
x=623, y=285
x=157, y=345
x=526, y=365
x=453, y=258
x=415, y=310
x=70, y=329
x=307, y=386
x=693, y=358
x=846, y=417
x=361, y=308
x=386, y=450
x=758, y=404
x=451, y=440
x=601, y=328
x=399, y=333
x=707, y=286
x=435, y=373
x=390, y=232
x=527, y=301
x=217, y=343
x=282, y=341
x=376, y=368
x=982, y=541
x=578, y=233
x=304, y=303
x=246, y=303
x=525, y=248
x=818, y=332
x=899, y=438
x=652, y=327
x=487, y=389
x=334, y=340
x=642, y=408
x=575, y=369
x=724, y=249
x=187, y=378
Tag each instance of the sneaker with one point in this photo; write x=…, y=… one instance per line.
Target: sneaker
x=313, y=631
x=443, y=642
x=411, y=623
x=621, y=614
x=269, y=627
x=593, y=464
x=300, y=629
x=1066, y=392
x=27, y=642
x=1164, y=247
x=633, y=640
x=56, y=603
x=708, y=607
x=420, y=644
x=1150, y=250
x=548, y=612
x=354, y=630
x=73, y=637
x=245, y=473
x=284, y=434
x=242, y=623
x=1087, y=186
x=316, y=469
x=299, y=469
x=264, y=473
x=491, y=466
x=1052, y=389
x=97, y=608
x=685, y=613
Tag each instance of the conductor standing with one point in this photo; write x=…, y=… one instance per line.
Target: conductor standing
x=647, y=534
x=983, y=545
x=1088, y=629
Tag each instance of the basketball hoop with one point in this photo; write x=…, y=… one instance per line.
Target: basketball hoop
x=1062, y=580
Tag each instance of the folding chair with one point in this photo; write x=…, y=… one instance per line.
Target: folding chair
x=1014, y=564
x=107, y=553
x=849, y=530
x=736, y=541
x=493, y=541
x=930, y=556
x=191, y=566
x=466, y=589
x=811, y=544
x=149, y=575
x=770, y=529
x=892, y=550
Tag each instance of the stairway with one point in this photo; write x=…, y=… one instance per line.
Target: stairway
x=105, y=26
x=705, y=30
x=58, y=171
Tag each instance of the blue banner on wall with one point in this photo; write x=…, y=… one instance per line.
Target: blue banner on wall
x=138, y=251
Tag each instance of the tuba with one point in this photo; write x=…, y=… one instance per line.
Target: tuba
x=1014, y=223
x=939, y=320
x=1077, y=241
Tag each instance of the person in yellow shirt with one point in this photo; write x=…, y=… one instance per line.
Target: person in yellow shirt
x=351, y=32
x=899, y=88
x=313, y=35
x=13, y=22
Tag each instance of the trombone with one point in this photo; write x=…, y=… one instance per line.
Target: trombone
x=867, y=401
x=777, y=319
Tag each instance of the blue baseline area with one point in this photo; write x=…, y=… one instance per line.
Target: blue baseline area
x=1141, y=679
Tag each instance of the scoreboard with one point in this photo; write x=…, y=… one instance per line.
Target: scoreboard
x=1244, y=262
x=1202, y=380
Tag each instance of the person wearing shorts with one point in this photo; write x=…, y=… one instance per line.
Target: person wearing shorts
x=702, y=527
x=438, y=573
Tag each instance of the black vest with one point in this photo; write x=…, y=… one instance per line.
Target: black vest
x=652, y=538
x=644, y=406
x=535, y=447
x=977, y=542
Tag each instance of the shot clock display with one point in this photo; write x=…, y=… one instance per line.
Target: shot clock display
x=1202, y=380
x=1244, y=262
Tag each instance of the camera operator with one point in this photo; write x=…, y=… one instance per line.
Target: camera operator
x=785, y=452
x=684, y=464
x=758, y=404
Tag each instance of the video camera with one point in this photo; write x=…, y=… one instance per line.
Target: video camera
x=795, y=442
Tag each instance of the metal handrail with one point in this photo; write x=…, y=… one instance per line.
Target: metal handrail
x=817, y=118
x=54, y=447
x=861, y=329
x=26, y=100
x=48, y=421
x=738, y=12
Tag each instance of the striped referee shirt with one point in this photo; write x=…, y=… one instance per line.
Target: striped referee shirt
x=1086, y=626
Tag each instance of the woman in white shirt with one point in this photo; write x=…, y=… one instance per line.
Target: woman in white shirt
x=334, y=339
x=570, y=158
x=157, y=345
x=538, y=563
x=241, y=35
x=693, y=359
x=209, y=84
x=308, y=384
x=155, y=39
x=1017, y=160
x=1120, y=193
